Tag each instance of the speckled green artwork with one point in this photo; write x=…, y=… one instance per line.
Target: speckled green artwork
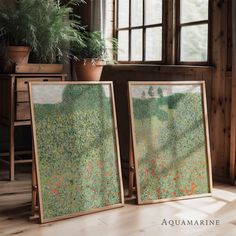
x=77, y=158
x=170, y=144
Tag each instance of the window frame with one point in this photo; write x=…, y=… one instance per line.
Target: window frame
x=178, y=34
x=163, y=25
x=171, y=35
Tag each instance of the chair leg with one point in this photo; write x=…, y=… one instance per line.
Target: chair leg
x=12, y=153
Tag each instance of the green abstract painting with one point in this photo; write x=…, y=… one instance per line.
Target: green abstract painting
x=77, y=155
x=171, y=148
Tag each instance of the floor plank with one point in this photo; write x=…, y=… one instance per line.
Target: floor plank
x=132, y=220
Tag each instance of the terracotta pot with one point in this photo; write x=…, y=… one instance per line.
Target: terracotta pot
x=18, y=54
x=88, y=70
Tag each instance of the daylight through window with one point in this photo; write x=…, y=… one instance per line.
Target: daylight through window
x=193, y=30
x=140, y=30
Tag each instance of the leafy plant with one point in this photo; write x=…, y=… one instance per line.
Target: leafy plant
x=94, y=47
x=57, y=27
x=16, y=25
x=47, y=26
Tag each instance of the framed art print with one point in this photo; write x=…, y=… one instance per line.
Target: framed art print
x=170, y=138
x=76, y=148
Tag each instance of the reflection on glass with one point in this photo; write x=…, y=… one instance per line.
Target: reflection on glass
x=194, y=43
x=136, y=44
x=123, y=45
x=153, y=12
x=136, y=12
x=154, y=44
x=52, y=94
x=123, y=13
x=194, y=10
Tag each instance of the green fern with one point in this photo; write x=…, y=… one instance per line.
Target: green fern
x=94, y=46
x=47, y=26
x=16, y=23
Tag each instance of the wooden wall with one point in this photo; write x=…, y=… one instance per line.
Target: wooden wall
x=221, y=88
x=233, y=90
x=219, y=83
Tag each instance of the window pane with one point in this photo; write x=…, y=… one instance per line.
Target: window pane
x=123, y=45
x=136, y=12
x=194, y=43
x=123, y=13
x=154, y=44
x=153, y=12
x=136, y=45
x=193, y=10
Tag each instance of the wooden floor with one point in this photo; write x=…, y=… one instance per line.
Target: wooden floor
x=131, y=220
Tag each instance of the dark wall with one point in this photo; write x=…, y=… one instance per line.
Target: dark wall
x=84, y=11
x=22, y=138
x=3, y=138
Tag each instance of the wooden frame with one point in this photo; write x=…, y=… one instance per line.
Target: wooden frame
x=178, y=34
x=143, y=27
x=41, y=211
x=206, y=133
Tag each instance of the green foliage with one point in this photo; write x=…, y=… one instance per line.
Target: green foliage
x=152, y=106
x=55, y=30
x=16, y=24
x=94, y=47
x=47, y=26
x=151, y=92
x=160, y=92
x=77, y=155
x=173, y=100
x=143, y=95
x=147, y=107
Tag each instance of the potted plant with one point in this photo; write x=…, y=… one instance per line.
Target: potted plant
x=90, y=57
x=18, y=31
x=57, y=27
x=47, y=27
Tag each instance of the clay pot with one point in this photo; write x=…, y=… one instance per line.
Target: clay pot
x=89, y=70
x=18, y=54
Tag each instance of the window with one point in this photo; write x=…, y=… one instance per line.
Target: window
x=143, y=36
x=139, y=30
x=193, y=30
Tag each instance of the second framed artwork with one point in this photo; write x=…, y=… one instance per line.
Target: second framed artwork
x=170, y=138
x=76, y=148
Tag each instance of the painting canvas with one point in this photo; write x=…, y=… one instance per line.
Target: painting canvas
x=170, y=140
x=76, y=148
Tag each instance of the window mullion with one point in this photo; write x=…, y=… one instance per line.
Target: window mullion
x=130, y=2
x=194, y=23
x=144, y=33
